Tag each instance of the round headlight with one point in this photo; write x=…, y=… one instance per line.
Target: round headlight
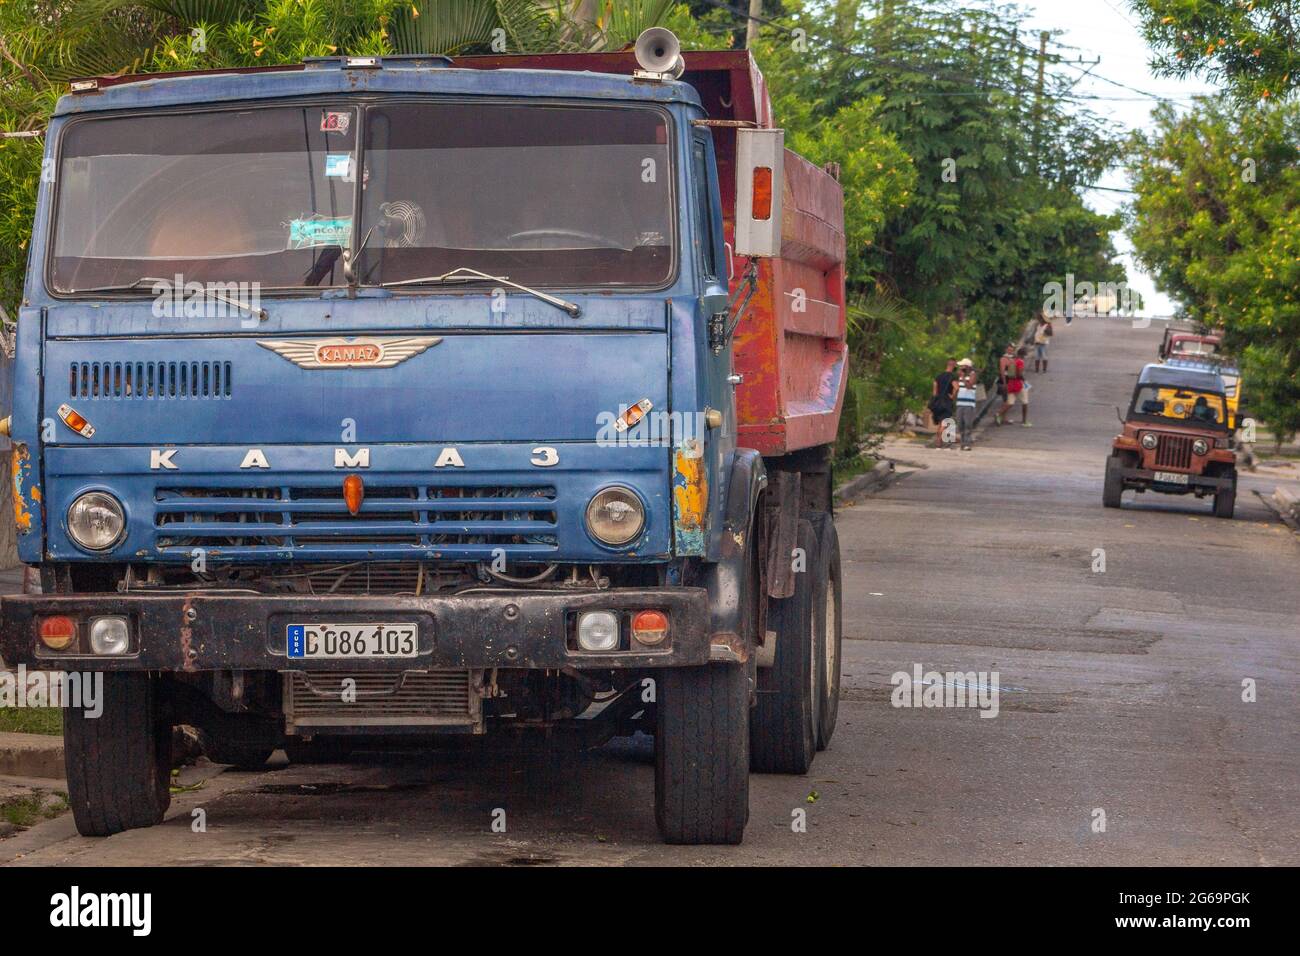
x=615, y=516
x=95, y=521
x=1180, y=408
x=1200, y=446
x=1149, y=440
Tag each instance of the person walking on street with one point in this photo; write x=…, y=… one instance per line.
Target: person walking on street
x=1042, y=338
x=1006, y=370
x=965, y=396
x=1018, y=388
x=941, y=401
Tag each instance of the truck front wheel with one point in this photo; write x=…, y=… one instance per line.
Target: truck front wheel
x=118, y=762
x=702, y=754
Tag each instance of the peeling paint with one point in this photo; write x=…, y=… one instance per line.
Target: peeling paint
x=21, y=467
x=690, y=496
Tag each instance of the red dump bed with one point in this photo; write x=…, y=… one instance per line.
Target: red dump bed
x=790, y=344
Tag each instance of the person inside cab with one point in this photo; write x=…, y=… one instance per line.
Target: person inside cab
x=1202, y=412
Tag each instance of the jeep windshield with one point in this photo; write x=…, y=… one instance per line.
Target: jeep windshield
x=1170, y=405
x=542, y=194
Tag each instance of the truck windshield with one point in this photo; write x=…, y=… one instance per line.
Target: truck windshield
x=262, y=195
x=545, y=195
x=541, y=194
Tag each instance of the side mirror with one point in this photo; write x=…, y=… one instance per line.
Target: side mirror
x=759, y=166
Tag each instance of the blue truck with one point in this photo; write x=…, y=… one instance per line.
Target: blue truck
x=367, y=400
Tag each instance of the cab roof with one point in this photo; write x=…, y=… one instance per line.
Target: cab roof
x=1175, y=376
x=728, y=81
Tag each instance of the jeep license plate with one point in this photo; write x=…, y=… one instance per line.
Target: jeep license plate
x=1171, y=477
x=351, y=641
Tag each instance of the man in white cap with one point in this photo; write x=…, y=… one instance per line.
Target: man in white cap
x=966, y=391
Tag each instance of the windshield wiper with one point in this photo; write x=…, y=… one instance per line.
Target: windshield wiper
x=466, y=274
x=252, y=310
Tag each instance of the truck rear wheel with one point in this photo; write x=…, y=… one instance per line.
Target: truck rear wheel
x=1113, y=490
x=119, y=763
x=827, y=625
x=702, y=754
x=783, y=728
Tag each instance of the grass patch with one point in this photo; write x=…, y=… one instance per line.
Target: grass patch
x=846, y=469
x=31, y=720
x=30, y=810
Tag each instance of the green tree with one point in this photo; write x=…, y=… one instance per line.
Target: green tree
x=965, y=200
x=1252, y=47
x=1217, y=222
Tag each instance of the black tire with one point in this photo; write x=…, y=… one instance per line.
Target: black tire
x=1113, y=490
x=119, y=763
x=317, y=750
x=828, y=625
x=1225, y=502
x=241, y=756
x=783, y=727
x=702, y=754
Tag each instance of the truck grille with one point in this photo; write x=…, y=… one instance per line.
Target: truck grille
x=314, y=520
x=1174, y=451
x=96, y=380
x=433, y=698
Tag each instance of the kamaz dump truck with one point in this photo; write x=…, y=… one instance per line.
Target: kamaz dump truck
x=366, y=400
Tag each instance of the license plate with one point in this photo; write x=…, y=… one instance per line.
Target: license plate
x=352, y=641
x=1171, y=477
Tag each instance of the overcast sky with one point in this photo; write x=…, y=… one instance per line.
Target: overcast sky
x=1107, y=29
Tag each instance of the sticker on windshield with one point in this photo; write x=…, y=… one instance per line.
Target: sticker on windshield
x=335, y=121
x=338, y=165
x=313, y=233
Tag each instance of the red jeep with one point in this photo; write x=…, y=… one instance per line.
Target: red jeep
x=1176, y=439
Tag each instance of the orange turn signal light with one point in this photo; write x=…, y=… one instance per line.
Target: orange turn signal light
x=761, y=206
x=354, y=492
x=57, y=633
x=650, y=627
x=632, y=415
x=76, y=421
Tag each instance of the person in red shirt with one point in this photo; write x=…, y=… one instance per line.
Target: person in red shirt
x=1018, y=388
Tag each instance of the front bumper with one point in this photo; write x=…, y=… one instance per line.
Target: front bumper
x=1147, y=478
x=210, y=630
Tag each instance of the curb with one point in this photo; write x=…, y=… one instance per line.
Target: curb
x=1285, y=505
x=881, y=476
x=31, y=755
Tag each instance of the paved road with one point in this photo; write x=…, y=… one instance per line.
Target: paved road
x=1120, y=691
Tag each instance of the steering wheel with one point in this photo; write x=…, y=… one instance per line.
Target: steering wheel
x=601, y=242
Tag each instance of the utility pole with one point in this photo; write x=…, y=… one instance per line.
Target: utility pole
x=1038, y=95
x=751, y=25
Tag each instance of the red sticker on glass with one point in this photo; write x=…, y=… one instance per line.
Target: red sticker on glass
x=335, y=121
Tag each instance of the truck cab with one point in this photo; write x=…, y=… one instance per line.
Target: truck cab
x=370, y=400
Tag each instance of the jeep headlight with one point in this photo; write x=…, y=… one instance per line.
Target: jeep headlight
x=96, y=521
x=1200, y=446
x=1149, y=440
x=615, y=516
